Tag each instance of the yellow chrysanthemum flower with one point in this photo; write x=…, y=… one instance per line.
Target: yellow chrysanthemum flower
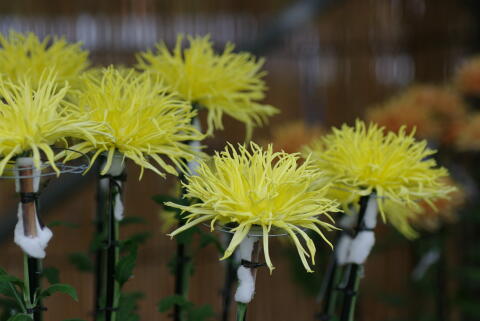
x=24, y=55
x=142, y=121
x=362, y=159
x=259, y=188
x=229, y=82
x=31, y=120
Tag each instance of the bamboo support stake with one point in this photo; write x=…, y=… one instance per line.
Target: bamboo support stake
x=29, y=210
x=31, y=237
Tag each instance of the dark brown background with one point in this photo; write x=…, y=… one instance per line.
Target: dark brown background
x=328, y=70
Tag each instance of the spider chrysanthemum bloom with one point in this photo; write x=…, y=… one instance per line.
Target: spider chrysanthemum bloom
x=364, y=159
x=33, y=119
x=228, y=82
x=437, y=113
x=139, y=119
x=252, y=187
x=24, y=55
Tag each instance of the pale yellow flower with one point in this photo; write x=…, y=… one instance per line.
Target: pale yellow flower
x=33, y=118
x=228, y=82
x=363, y=159
x=141, y=121
x=253, y=187
x=26, y=56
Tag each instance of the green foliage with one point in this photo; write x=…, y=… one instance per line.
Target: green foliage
x=9, y=307
x=128, y=306
x=59, y=288
x=192, y=312
x=20, y=317
x=51, y=274
x=125, y=266
x=81, y=261
x=189, y=310
x=12, y=288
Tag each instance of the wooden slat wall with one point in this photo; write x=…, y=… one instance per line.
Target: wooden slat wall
x=348, y=42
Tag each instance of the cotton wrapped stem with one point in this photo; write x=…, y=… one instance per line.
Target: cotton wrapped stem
x=249, y=251
x=357, y=253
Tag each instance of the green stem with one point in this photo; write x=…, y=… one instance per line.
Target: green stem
x=26, y=291
x=355, y=275
x=100, y=257
x=331, y=304
x=116, y=294
x=17, y=297
x=241, y=311
x=113, y=252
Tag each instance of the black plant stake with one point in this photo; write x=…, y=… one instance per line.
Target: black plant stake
x=99, y=261
x=107, y=287
x=329, y=293
x=354, y=270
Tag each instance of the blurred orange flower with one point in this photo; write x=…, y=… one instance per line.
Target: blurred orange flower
x=469, y=136
x=292, y=136
x=437, y=113
x=467, y=77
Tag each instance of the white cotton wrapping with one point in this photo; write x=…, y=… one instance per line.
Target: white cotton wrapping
x=116, y=169
x=33, y=246
x=246, y=281
x=356, y=250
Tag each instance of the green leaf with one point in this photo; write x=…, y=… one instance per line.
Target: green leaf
x=128, y=306
x=125, y=266
x=8, y=308
x=81, y=261
x=51, y=274
x=63, y=223
x=5, y=278
x=202, y=313
x=8, y=289
x=20, y=317
x=62, y=288
x=167, y=303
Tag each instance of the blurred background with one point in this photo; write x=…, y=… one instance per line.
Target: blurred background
x=328, y=62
